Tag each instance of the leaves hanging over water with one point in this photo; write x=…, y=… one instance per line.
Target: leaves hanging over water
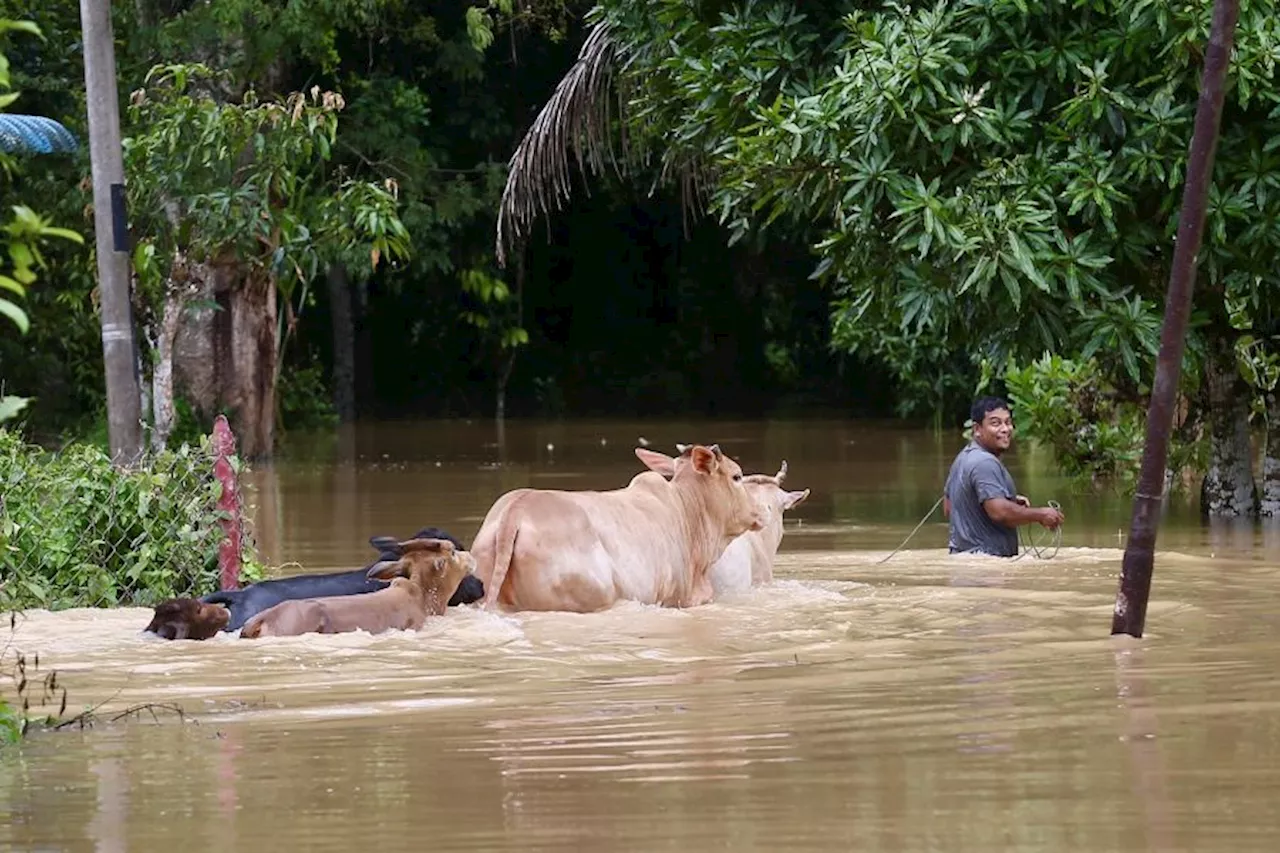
x=576, y=117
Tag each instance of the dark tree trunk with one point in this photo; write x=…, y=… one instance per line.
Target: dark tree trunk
x=365, y=388
x=509, y=358
x=1270, y=505
x=344, y=344
x=1130, y=614
x=1228, y=490
x=225, y=357
x=244, y=361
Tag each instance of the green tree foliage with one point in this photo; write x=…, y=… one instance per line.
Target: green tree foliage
x=24, y=232
x=983, y=179
x=435, y=95
x=209, y=177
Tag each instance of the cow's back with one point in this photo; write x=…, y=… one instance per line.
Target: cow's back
x=582, y=551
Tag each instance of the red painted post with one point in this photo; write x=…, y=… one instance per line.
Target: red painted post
x=224, y=447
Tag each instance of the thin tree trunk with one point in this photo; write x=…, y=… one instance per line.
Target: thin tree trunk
x=1228, y=490
x=363, y=366
x=162, y=371
x=1139, y=555
x=344, y=344
x=504, y=373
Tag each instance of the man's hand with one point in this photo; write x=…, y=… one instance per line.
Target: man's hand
x=1022, y=500
x=1050, y=517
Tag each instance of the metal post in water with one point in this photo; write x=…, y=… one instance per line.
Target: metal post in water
x=224, y=448
x=1139, y=555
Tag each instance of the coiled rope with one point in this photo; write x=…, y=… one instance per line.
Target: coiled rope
x=1036, y=547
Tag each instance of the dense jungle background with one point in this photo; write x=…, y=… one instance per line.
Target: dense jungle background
x=866, y=209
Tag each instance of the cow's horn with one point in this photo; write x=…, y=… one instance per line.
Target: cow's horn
x=782, y=473
x=684, y=448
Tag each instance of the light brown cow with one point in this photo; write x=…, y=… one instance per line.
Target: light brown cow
x=422, y=580
x=748, y=561
x=650, y=542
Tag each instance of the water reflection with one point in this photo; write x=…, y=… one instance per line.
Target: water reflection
x=110, y=822
x=1150, y=780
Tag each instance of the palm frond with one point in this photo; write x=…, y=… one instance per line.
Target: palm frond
x=576, y=117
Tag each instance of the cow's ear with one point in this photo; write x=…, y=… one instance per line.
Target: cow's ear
x=793, y=498
x=385, y=570
x=426, y=545
x=704, y=461
x=655, y=461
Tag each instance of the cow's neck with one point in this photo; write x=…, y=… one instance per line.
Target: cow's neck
x=703, y=528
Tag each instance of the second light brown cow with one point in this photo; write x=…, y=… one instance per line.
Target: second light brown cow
x=422, y=580
x=748, y=561
x=650, y=542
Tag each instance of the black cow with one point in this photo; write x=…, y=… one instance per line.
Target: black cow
x=251, y=600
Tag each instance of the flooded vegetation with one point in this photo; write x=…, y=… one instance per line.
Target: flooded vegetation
x=919, y=702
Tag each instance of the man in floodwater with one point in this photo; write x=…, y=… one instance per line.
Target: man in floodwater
x=980, y=502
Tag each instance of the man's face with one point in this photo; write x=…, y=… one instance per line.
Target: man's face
x=995, y=433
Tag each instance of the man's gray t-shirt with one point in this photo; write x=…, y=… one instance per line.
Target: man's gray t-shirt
x=977, y=476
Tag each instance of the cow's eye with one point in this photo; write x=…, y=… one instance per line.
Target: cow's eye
x=737, y=478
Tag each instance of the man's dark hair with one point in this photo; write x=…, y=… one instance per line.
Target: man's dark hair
x=984, y=406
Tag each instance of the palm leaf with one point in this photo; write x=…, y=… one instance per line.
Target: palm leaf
x=578, y=118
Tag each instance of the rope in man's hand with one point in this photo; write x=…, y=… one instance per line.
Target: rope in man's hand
x=1037, y=547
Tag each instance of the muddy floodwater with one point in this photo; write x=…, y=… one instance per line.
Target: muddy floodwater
x=926, y=702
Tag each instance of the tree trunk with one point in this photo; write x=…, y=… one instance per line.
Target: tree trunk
x=344, y=344
x=162, y=370
x=504, y=376
x=504, y=371
x=365, y=388
x=1228, y=490
x=1271, y=460
x=244, y=357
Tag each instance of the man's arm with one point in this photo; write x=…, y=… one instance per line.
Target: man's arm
x=946, y=508
x=1013, y=514
x=1003, y=509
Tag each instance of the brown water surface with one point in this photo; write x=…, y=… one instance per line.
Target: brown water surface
x=928, y=702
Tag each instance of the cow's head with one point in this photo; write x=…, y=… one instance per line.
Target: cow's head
x=769, y=490
x=716, y=480
x=188, y=619
x=435, y=566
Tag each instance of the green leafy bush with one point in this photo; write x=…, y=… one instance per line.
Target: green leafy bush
x=1094, y=431
x=76, y=531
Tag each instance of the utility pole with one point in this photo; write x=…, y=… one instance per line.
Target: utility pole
x=111, y=232
x=1139, y=556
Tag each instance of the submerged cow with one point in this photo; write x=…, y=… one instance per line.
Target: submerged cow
x=748, y=561
x=172, y=616
x=422, y=580
x=187, y=619
x=651, y=542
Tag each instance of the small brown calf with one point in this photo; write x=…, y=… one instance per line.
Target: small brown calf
x=422, y=581
x=188, y=619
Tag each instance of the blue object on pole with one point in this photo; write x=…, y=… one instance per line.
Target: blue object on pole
x=21, y=134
